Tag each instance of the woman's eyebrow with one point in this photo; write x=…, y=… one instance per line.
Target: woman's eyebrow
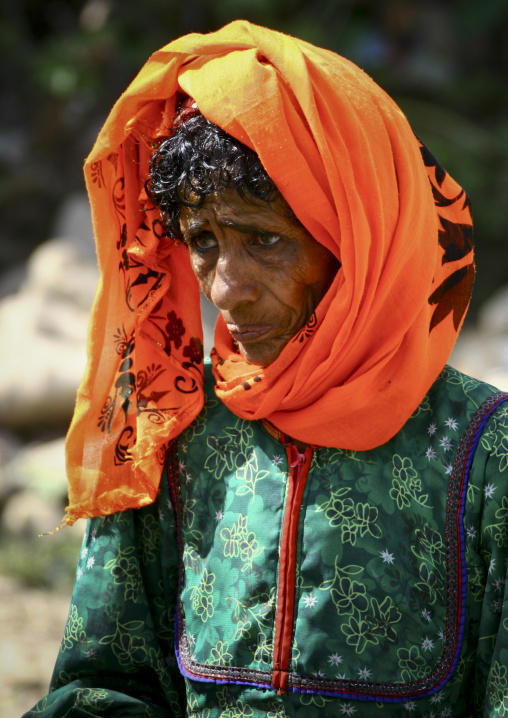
x=193, y=226
x=246, y=228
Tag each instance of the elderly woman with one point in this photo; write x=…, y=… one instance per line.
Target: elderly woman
x=314, y=523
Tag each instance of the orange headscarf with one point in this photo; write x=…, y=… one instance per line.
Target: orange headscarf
x=345, y=159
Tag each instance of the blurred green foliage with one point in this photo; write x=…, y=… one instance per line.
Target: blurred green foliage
x=64, y=62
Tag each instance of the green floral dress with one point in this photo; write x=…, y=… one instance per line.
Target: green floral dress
x=267, y=582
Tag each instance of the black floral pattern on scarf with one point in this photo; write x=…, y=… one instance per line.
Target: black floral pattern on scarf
x=456, y=239
x=307, y=330
x=194, y=350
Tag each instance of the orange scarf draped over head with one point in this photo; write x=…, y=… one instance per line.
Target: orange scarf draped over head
x=345, y=159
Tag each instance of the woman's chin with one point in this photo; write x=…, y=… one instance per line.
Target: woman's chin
x=261, y=353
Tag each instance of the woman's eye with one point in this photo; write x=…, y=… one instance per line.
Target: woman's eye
x=203, y=242
x=268, y=240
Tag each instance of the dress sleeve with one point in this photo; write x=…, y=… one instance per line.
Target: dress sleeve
x=488, y=584
x=117, y=655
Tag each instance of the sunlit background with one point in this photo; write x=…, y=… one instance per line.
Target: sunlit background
x=62, y=65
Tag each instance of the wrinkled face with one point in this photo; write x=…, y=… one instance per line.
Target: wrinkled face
x=261, y=268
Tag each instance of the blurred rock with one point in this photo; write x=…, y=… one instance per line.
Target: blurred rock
x=44, y=325
x=61, y=269
x=9, y=445
x=483, y=357
x=40, y=468
x=42, y=368
x=493, y=316
x=28, y=514
x=482, y=351
x=34, y=487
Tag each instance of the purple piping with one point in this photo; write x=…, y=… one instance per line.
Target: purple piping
x=202, y=679
x=470, y=456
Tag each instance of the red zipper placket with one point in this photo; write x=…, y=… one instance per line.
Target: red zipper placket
x=299, y=464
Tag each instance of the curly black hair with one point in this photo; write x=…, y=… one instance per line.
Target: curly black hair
x=198, y=159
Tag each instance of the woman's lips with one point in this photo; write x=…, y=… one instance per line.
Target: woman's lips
x=248, y=332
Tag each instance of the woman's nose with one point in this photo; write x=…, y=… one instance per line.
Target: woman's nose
x=233, y=282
